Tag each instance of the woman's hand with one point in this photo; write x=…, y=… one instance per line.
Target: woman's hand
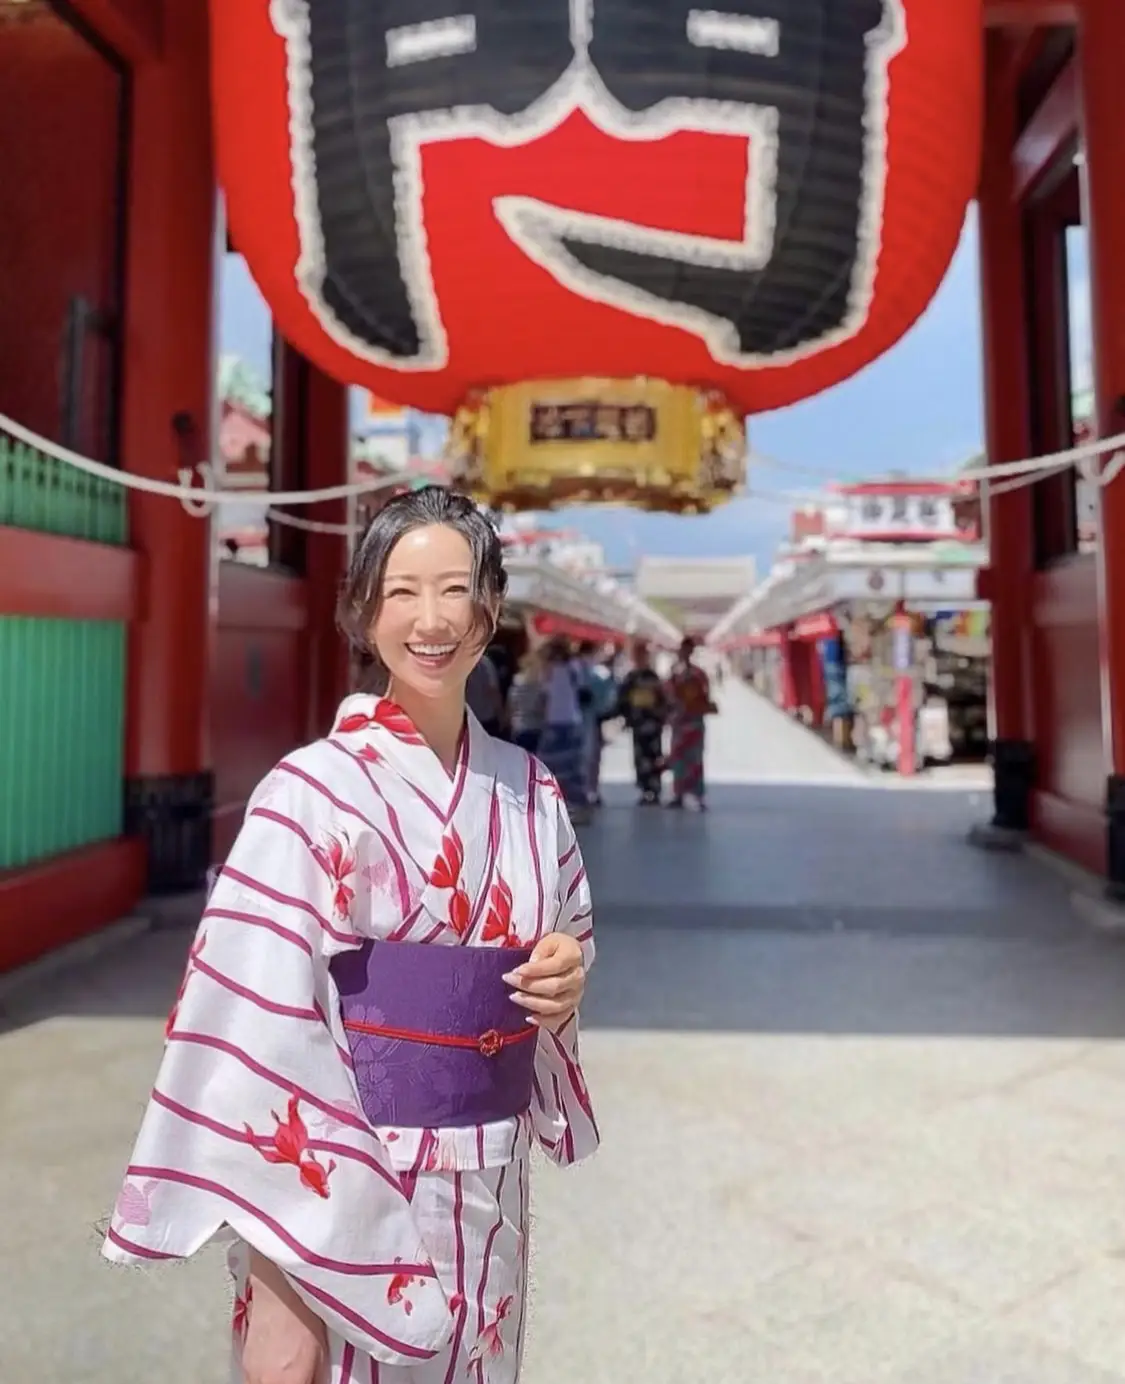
x=550, y=985
x=285, y=1341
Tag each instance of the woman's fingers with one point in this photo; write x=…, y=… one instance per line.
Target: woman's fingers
x=551, y=997
x=557, y=962
x=550, y=986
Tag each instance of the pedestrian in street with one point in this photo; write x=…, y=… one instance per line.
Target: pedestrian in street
x=598, y=707
x=689, y=697
x=379, y=1012
x=527, y=703
x=561, y=745
x=501, y=659
x=484, y=696
x=644, y=709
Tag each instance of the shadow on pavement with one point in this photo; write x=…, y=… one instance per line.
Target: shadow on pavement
x=786, y=908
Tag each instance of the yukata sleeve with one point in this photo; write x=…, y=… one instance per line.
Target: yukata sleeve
x=562, y=1113
x=253, y=1130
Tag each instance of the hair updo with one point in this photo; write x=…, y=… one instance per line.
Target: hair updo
x=362, y=591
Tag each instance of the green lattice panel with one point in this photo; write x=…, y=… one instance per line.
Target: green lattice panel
x=39, y=492
x=62, y=721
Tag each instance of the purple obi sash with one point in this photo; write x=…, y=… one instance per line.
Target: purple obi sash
x=434, y=1036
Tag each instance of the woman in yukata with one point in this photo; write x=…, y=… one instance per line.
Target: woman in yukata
x=689, y=695
x=644, y=707
x=378, y=1015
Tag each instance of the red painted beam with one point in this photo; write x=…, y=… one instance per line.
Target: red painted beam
x=46, y=574
x=132, y=28
x=999, y=14
x=46, y=905
x=1053, y=126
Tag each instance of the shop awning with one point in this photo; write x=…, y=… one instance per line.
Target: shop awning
x=548, y=625
x=810, y=628
x=581, y=608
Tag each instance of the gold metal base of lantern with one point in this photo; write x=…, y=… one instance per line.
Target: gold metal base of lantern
x=645, y=443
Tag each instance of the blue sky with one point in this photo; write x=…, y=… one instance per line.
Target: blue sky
x=917, y=410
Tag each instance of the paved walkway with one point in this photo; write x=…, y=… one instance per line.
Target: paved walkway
x=861, y=1090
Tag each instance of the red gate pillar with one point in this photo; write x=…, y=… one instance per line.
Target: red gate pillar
x=166, y=424
x=1008, y=437
x=1101, y=54
x=327, y=465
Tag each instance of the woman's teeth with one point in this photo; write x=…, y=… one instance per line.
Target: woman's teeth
x=431, y=650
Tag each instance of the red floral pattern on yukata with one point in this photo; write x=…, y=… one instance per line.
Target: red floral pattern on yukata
x=387, y=716
x=337, y=860
x=446, y=874
x=289, y=1144
x=240, y=1317
x=490, y=1343
x=399, y=1286
x=498, y=924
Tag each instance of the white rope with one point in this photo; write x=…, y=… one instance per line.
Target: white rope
x=313, y=525
x=1056, y=461
x=201, y=500
x=1029, y=470
x=198, y=500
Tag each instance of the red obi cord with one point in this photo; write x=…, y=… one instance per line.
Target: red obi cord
x=489, y=1044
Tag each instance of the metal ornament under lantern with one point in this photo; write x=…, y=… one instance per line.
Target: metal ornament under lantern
x=647, y=443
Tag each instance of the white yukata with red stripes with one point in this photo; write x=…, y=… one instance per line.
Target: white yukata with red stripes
x=410, y=1244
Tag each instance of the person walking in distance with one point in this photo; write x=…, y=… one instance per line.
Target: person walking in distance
x=689, y=697
x=527, y=702
x=560, y=747
x=598, y=695
x=644, y=708
x=484, y=697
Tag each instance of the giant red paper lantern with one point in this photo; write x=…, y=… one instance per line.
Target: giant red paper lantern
x=438, y=197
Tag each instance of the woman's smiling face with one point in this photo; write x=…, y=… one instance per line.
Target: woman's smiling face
x=426, y=630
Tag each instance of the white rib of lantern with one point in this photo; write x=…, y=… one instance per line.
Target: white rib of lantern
x=738, y=33
x=434, y=38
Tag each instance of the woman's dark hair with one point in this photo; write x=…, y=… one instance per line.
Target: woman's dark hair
x=361, y=593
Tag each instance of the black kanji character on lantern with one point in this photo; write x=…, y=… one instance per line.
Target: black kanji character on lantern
x=372, y=62
x=806, y=59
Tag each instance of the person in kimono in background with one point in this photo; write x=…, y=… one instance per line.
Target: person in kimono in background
x=379, y=1012
x=562, y=743
x=689, y=696
x=644, y=709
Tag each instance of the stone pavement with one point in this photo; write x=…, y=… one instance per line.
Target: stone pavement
x=861, y=1091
